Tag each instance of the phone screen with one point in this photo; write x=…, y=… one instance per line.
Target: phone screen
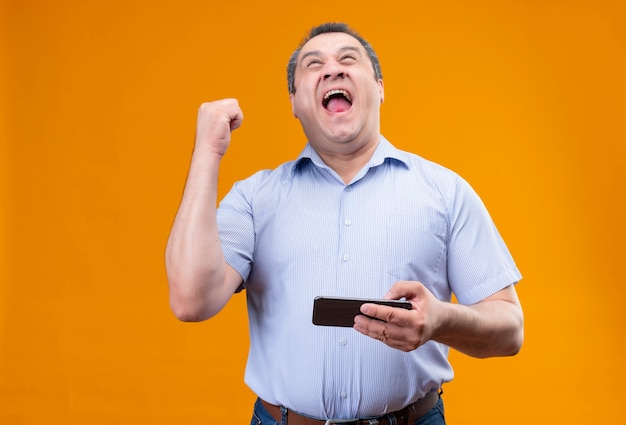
x=339, y=311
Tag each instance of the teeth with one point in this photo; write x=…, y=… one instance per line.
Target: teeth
x=342, y=92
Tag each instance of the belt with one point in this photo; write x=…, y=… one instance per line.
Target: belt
x=406, y=416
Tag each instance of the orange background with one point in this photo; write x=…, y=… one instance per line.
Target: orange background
x=525, y=99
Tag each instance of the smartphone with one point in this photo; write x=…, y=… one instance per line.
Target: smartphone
x=340, y=311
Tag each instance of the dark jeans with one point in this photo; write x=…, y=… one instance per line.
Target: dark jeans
x=435, y=416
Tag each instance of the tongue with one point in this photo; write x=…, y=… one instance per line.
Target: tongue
x=338, y=104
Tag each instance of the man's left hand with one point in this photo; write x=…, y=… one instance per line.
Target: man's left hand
x=403, y=329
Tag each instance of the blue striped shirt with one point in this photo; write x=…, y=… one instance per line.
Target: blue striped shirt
x=298, y=231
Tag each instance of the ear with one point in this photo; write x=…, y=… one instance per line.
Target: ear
x=293, y=108
x=381, y=90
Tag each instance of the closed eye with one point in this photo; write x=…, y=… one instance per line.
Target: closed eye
x=313, y=63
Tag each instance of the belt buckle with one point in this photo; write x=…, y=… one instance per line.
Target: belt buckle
x=351, y=421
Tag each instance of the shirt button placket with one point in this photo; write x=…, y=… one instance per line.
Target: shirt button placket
x=346, y=222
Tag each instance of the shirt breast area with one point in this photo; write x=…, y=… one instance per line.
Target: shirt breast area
x=325, y=238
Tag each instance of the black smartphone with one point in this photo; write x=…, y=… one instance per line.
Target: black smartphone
x=340, y=311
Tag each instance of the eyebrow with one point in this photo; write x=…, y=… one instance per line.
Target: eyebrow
x=319, y=53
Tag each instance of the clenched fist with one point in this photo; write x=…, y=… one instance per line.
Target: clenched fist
x=216, y=120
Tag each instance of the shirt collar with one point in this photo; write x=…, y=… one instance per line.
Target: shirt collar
x=384, y=150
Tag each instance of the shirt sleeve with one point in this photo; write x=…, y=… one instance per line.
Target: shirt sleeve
x=235, y=222
x=479, y=262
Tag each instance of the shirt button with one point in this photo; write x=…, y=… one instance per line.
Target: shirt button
x=343, y=342
x=344, y=395
x=346, y=257
x=348, y=222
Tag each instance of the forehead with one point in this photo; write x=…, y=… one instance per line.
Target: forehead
x=329, y=43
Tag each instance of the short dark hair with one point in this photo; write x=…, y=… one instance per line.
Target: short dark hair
x=325, y=28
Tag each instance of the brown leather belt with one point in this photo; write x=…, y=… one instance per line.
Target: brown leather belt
x=406, y=416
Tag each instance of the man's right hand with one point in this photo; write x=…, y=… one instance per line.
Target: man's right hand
x=216, y=120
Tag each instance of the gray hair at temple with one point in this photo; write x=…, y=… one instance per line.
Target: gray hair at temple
x=329, y=28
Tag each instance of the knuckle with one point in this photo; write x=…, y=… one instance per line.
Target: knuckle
x=383, y=336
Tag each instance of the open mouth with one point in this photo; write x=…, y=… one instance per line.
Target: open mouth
x=337, y=101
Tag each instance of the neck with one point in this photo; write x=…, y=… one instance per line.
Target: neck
x=348, y=164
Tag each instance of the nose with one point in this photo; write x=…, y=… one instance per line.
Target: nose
x=333, y=70
x=338, y=75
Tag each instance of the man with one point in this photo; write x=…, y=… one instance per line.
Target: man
x=351, y=217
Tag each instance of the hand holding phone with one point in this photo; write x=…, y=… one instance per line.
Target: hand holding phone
x=340, y=311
